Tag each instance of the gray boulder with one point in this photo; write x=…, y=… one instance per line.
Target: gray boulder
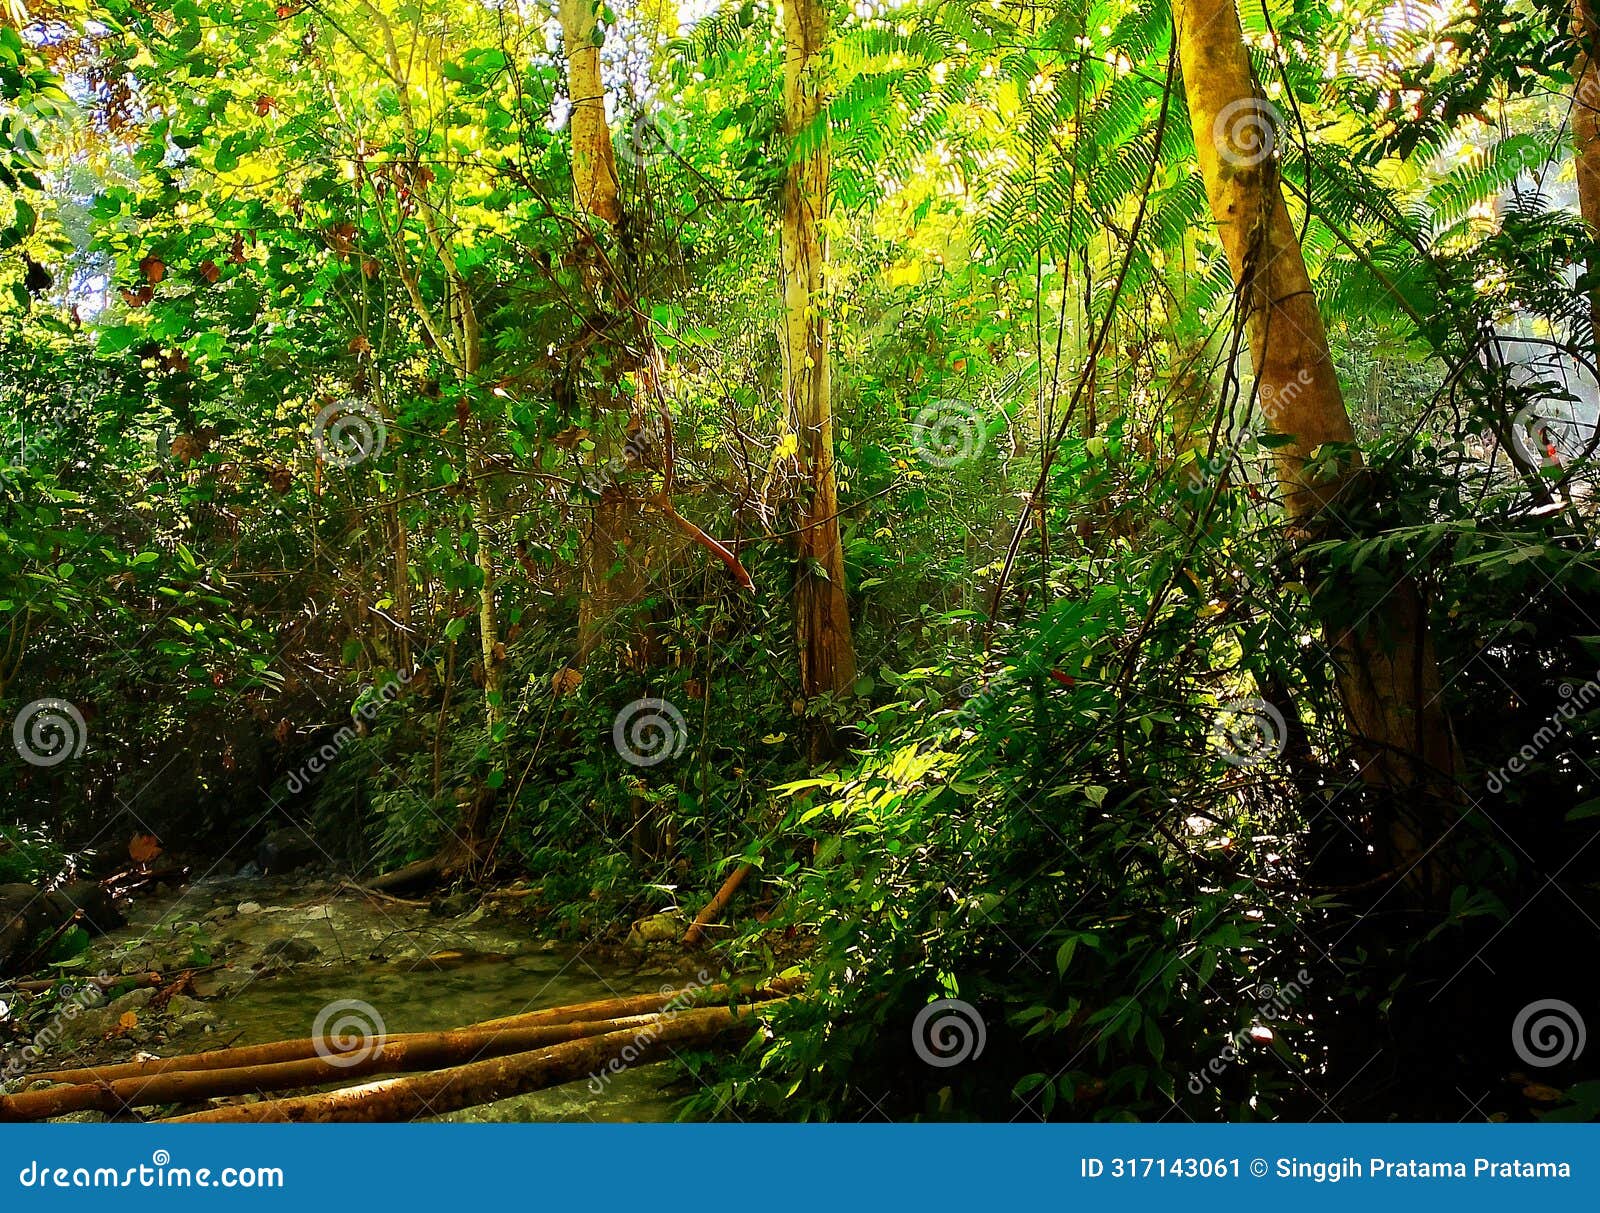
x=287, y=850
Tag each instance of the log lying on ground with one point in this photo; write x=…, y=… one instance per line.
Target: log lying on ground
x=397, y=1055
x=482, y=1082
x=134, y=981
x=413, y=875
x=642, y=1004
x=300, y=1049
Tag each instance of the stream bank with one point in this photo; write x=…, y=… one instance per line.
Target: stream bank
x=269, y=956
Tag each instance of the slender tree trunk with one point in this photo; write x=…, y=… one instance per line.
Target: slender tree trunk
x=1388, y=678
x=594, y=168
x=611, y=559
x=1586, y=133
x=822, y=617
x=491, y=651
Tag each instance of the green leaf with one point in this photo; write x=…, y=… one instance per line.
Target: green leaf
x=1064, y=954
x=1589, y=808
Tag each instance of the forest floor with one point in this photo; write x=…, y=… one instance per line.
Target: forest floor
x=247, y=959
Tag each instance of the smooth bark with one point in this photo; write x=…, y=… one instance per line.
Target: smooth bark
x=488, y=1081
x=1586, y=132
x=392, y=1055
x=822, y=616
x=1387, y=675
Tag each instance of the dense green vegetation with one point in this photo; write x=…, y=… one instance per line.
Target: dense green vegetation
x=399, y=453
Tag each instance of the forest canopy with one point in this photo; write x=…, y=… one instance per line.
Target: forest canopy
x=1076, y=516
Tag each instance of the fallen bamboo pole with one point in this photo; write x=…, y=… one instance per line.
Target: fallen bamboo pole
x=395, y=1055
x=482, y=1082
x=302, y=1048
x=714, y=907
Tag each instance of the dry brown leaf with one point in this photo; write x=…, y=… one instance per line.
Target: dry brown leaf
x=142, y=848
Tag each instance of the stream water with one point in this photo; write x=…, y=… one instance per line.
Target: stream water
x=284, y=951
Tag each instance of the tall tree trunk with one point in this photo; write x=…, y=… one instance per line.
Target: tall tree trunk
x=1586, y=133
x=1387, y=676
x=822, y=617
x=490, y=649
x=611, y=572
x=594, y=167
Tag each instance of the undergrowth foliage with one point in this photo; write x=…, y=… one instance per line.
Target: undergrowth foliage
x=1093, y=791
